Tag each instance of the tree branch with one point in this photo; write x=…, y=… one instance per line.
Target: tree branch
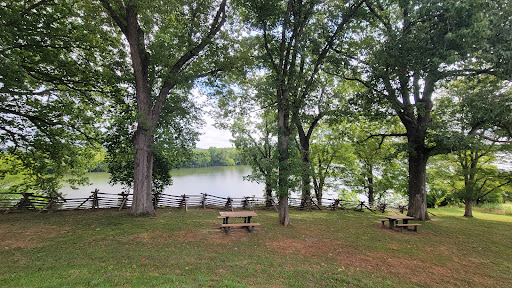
x=215, y=26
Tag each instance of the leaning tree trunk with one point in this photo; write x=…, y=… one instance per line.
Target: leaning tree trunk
x=468, y=210
x=371, y=192
x=306, y=171
x=417, y=183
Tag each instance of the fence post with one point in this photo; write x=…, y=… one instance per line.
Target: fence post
x=183, y=203
x=25, y=203
x=335, y=205
x=247, y=204
x=95, y=200
x=305, y=203
x=229, y=205
x=123, y=200
x=156, y=198
x=203, y=201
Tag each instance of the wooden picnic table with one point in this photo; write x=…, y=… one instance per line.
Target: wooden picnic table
x=247, y=215
x=395, y=218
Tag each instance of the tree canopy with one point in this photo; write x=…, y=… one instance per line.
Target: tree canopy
x=307, y=89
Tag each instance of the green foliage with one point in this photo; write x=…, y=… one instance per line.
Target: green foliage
x=175, y=138
x=221, y=157
x=362, y=159
x=331, y=157
x=56, y=72
x=257, y=146
x=474, y=115
x=498, y=208
x=200, y=158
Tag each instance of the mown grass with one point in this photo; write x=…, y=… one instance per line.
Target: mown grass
x=106, y=248
x=498, y=208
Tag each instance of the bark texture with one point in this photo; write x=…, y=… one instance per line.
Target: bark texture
x=417, y=183
x=468, y=210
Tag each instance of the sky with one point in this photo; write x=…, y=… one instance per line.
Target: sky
x=210, y=136
x=213, y=137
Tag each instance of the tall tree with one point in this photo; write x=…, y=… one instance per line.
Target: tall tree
x=331, y=157
x=59, y=64
x=171, y=44
x=376, y=157
x=476, y=112
x=175, y=137
x=256, y=143
x=295, y=38
x=418, y=44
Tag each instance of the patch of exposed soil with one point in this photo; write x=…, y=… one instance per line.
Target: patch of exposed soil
x=28, y=237
x=389, y=263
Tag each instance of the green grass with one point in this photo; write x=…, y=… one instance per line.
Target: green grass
x=498, y=208
x=107, y=248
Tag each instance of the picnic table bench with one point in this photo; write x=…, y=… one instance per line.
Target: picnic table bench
x=394, y=222
x=246, y=215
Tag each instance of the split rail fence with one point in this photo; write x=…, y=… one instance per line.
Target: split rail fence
x=97, y=200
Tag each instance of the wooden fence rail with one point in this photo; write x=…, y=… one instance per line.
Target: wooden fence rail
x=97, y=199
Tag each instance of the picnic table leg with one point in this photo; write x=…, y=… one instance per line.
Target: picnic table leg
x=248, y=220
x=391, y=223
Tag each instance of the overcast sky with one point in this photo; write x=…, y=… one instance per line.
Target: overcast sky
x=210, y=136
x=213, y=137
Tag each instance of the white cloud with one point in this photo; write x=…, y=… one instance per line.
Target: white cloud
x=213, y=137
x=210, y=136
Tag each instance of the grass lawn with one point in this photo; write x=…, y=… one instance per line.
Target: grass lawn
x=107, y=248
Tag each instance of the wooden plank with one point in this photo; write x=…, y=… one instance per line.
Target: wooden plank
x=399, y=217
x=241, y=214
x=240, y=225
x=401, y=226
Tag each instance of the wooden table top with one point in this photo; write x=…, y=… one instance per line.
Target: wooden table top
x=238, y=214
x=399, y=217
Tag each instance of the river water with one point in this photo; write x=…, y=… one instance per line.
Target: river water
x=222, y=181
x=225, y=181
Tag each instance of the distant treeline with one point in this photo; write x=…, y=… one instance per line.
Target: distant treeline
x=201, y=158
x=214, y=157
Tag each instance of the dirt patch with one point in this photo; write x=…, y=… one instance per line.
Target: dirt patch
x=390, y=264
x=307, y=246
x=27, y=237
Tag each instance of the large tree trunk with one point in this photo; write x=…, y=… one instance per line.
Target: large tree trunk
x=284, y=214
x=417, y=182
x=142, y=179
x=468, y=210
x=143, y=139
x=306, y=170
x=371, y=192
x=268, y=193
x=283, y=156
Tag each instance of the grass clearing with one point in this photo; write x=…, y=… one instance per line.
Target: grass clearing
x=106, y=248
x=497, y=208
